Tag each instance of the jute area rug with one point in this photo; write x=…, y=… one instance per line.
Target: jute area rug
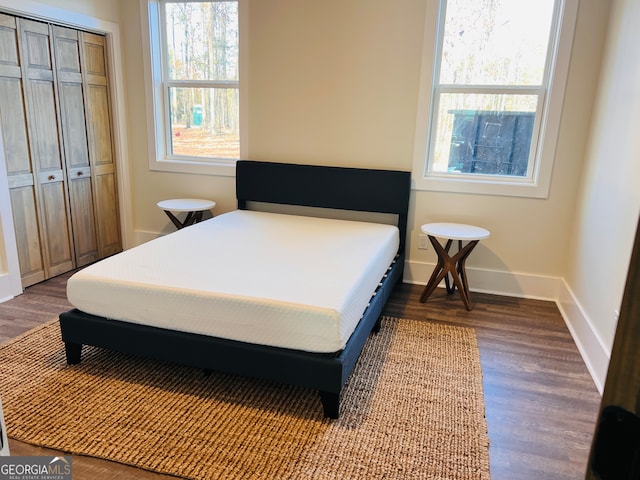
x=413, y=408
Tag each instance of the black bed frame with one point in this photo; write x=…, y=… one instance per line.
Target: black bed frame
x=383, y=191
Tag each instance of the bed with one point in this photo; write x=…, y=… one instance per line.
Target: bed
x=301, y=318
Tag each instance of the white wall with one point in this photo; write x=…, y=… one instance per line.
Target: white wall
x=608, y=204
x=343, y=89
x=10, y=283
x=60, y=10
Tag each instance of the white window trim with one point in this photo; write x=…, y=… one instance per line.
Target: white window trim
x=535, y=186
x=154, y=95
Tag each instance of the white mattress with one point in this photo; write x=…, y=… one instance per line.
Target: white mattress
x=273, y=279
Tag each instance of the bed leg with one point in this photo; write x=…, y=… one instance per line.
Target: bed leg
x=330, y=404
x=73, y=352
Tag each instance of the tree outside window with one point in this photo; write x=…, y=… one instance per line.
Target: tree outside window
x=496, y=91
x=491, y=80
x=200, y=78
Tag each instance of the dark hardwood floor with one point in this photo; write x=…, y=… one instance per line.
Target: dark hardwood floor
x=541, y=404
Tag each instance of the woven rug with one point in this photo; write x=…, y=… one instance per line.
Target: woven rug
x=413, y=408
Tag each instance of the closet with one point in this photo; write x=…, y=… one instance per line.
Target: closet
x=55, y=119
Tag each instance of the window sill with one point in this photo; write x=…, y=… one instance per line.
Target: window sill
x=482, y=186
x=222, y=168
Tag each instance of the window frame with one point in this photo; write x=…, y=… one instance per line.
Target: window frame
x=157, y=98
x=546, y=125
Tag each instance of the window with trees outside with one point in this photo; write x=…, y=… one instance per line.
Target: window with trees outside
x=490, y=118
x=194, y=50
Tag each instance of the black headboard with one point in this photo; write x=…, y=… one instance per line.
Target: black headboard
x=359, y=189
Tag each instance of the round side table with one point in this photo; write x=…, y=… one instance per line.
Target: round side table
x=452, y=264
x=194, y=207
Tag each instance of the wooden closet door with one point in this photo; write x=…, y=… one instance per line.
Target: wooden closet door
x=45, y=140
x=98, y=114
x=74, y=134
x=21, y=176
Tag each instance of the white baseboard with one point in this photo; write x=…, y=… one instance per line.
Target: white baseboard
x=9, y=287
x=594, y=352
x=4, y=441
x=143, y=236
x=511, y=284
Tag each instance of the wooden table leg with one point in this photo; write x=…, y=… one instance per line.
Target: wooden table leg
x=197, y=218
x=450, y=265
x=174, y=219
x=190, y=219
x=440, y=271
x=462, y=273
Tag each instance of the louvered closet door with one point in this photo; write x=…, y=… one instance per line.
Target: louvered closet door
x=21, y=176
x=98, y=114
x=74, y=134
x=45, y=142
x=56, y=122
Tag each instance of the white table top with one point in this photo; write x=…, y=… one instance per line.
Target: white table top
x=186, y=204
x=455, y=231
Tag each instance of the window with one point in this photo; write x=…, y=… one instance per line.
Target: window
x=490, y=103
x=194, y=68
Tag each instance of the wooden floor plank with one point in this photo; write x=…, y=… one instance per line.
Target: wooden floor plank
x=541, y=403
